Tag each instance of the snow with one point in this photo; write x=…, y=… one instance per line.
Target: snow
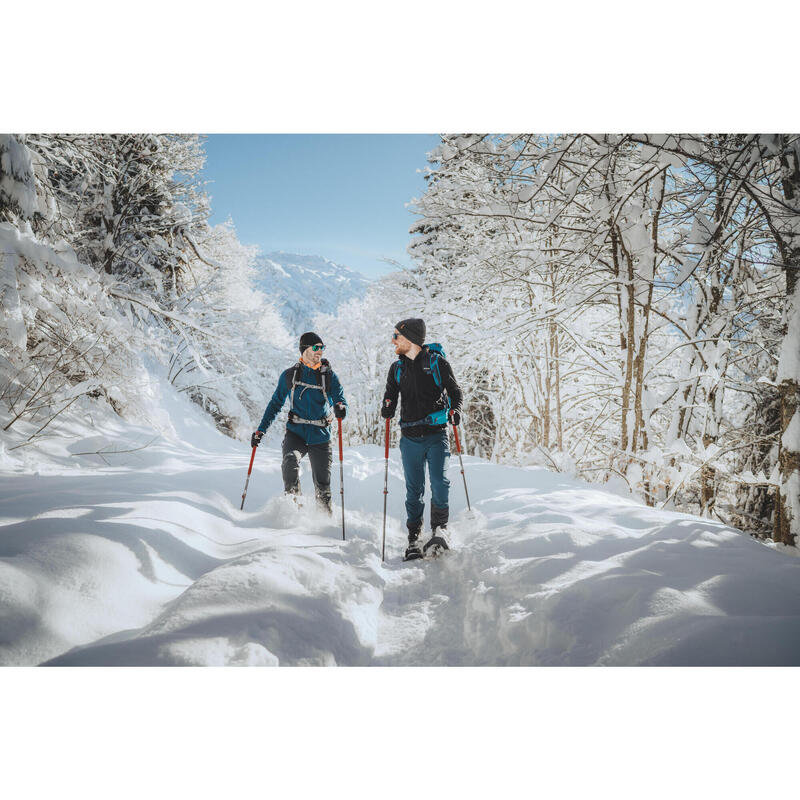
x=16, y=174
x=155, y=499
x=144, y=558
x=9, y=298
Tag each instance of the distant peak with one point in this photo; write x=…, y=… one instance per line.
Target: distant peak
x=305, y=261
x=302, y=285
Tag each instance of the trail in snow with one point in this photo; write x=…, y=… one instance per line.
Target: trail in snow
x=149, y=561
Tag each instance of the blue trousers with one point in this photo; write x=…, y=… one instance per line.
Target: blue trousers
x=416, y=452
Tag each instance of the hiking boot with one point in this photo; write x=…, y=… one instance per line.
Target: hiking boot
x=413, y=550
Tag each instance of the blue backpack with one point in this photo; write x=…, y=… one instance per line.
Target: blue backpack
x=434, y=350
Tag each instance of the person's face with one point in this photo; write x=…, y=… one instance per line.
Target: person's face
x=401, y=344
x=313, y=356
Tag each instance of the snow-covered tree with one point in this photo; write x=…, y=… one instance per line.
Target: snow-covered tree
x=107, y=258
x=627, y=288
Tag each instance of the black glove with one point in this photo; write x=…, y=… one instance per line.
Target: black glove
x=255, y=439
x=386, y=409
x=340, y=411
x=455, y=416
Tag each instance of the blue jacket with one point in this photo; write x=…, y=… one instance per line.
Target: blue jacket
x=308, y=403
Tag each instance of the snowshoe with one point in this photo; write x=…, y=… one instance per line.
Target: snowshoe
x=437, y=544
x=413, y=551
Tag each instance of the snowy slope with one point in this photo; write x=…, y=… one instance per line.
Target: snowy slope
x=302, y=286
x=147, y=559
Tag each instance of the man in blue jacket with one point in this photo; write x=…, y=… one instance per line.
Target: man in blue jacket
x=314, y=390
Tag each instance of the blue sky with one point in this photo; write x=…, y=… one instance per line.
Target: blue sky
x=341, y=196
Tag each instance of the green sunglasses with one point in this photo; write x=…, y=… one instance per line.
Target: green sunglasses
x=317, y=347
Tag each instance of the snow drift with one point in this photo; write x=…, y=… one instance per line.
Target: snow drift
x=144, y=558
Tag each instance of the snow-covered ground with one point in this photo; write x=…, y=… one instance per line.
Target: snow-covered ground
x=144, y=558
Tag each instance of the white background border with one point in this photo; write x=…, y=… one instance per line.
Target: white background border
x=407, y=733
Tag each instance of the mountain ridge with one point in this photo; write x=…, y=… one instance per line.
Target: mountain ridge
x=302, y=286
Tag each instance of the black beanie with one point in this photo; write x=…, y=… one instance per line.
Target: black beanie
x=307, y=339
x=413, y=329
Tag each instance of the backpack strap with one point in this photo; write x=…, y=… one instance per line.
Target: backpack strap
x=325, y=378
x=433, y=362
x=323, y=386
x=434, y=418
x=295, y=380
x=433, y=368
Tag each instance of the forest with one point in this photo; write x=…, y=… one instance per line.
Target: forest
x=622, y=308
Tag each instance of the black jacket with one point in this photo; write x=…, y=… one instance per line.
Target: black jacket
x=419, y=393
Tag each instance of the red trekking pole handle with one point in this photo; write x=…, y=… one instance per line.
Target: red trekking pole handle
x=249, y=470
x=252, y=458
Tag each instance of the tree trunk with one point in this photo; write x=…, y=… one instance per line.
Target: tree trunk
x=629, y=322
x=787, y=516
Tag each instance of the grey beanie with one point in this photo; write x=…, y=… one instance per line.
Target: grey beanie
x=413, y=329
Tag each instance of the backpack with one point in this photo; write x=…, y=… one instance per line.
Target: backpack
x=435, y=350
x=324, y=386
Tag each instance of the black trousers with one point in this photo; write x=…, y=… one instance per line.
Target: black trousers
x=320, y=456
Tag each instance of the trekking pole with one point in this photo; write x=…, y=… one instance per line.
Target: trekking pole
x=249, y=470
x=461, y=461
x=341, y=473
x=385, y=492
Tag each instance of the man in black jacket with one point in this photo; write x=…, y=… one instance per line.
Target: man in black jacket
x=424, y=380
